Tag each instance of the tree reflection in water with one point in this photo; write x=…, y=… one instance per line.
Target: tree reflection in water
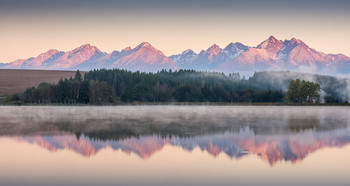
x=273, y=133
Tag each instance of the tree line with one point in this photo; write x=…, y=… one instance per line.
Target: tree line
x=113, y=86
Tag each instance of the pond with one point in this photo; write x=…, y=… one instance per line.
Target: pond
x=174, y=145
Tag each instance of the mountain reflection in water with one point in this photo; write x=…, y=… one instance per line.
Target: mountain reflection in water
x=270, y=148
x=272, y=133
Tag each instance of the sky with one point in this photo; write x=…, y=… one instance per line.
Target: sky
x=29, y=28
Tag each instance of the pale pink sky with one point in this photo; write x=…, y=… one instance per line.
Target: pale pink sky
x=26, y=34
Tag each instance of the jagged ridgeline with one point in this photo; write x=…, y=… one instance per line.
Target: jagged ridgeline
x=117, y=86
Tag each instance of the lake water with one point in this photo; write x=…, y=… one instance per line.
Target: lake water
x=175, y=145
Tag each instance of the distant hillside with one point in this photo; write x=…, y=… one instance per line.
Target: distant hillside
x=16, y=81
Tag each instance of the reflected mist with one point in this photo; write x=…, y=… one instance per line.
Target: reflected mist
x=274, y=134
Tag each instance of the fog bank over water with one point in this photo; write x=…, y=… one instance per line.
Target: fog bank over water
x=127, y=121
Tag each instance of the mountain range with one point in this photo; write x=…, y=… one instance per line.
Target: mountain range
x=271, y=149
x=271, y=54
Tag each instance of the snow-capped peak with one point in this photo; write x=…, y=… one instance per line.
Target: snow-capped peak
x=294, y=40
x=86, y=47
x=188, y=52
x=52, y=51
x=115, y=53
x=271, y=44
x=48, y=53
x=214, y=50
x=126, y=49
x=233, y=50
x=144, y=44
x=271, y=52
x=272, y=38
x=235, y=46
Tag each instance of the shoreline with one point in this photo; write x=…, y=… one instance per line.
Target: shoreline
x=184, y=104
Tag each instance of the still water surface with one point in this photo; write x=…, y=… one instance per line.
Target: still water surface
x=175, y=145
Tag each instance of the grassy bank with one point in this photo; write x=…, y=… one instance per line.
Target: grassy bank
x=178, y=104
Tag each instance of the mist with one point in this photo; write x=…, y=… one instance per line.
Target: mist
x=330, y=85
x=188, y=121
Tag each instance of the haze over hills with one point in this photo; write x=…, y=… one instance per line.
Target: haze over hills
x=271, y=54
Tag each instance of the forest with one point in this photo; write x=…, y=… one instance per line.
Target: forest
x=120, y=86
x=116, y=86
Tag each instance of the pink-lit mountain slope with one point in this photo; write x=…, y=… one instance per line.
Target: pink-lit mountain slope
x=272, y=149
x=144, y=57
x=144, y=147
x=41, y=61
x=271, y=54
x=210, y=58
x=53, y=59
x=79, y=55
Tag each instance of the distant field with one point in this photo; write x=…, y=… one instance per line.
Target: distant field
x=16, y=81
